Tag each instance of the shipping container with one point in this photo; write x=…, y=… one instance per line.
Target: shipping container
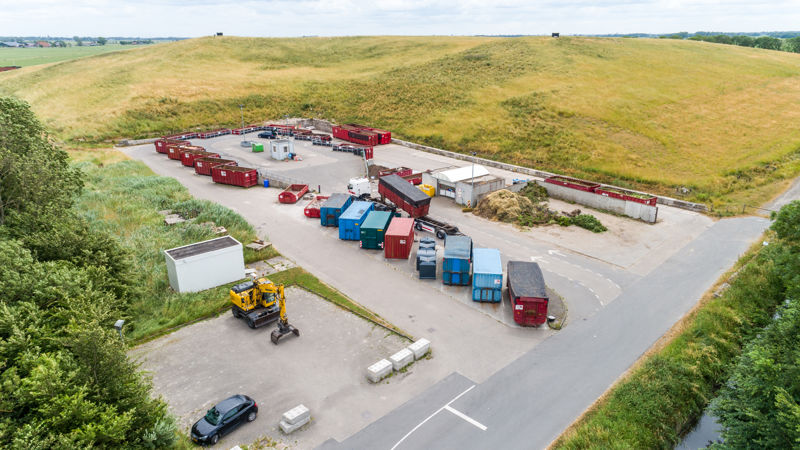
x=293, y=193
x=203, y=165
x=161, y=144
x=312, y=208
x=245, y=130
x=189, y=156
x=351, y=219
x=384, y=137
x=405, y=196
x=487, y=275
x=374, y=229
x=527, y=292
x=330, y=211
x=235, y=175
x=399, y=238
x=457, y=260
x=364, y=137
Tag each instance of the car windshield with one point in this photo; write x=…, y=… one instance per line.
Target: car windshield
x=212, y=416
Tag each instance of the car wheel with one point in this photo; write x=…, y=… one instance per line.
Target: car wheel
x=251, y=416
x=214, y=439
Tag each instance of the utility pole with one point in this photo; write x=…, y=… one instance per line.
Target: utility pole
x=244, y=142
x=472, y=189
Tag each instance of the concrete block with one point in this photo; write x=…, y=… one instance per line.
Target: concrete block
x=401, y=359
x=289, y=428
x=296, y=414
x=420, y=347
x=379, y=370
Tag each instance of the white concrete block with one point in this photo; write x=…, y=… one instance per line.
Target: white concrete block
x=296, y=414
x=420, y=347
x=401, y=359
x=379, y=370
x=289, y=428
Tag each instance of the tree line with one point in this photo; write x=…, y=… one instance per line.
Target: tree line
x=65, y=378
x=791, y=44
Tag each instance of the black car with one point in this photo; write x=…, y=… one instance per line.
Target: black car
x=224, y=418
x=267, y=135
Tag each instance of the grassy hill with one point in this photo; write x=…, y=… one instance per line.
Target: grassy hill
x=32, y=56
x=655, y=114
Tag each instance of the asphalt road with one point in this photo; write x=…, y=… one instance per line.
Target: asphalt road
x=528, y=403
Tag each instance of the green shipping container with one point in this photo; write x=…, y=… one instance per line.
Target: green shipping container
x=374, y=228
x=258, y=148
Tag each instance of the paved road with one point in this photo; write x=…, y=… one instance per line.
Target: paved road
x=531, y=401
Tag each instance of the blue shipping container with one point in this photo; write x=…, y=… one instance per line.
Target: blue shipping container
x=487, y=275
x=457, y=258
x=350, y=221
x=333, y=207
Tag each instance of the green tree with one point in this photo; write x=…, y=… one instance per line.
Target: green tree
x=743, y=41
x=102, y=41
x=793, y=44
x=78, y=41
x=769, y=43
x=37, y=184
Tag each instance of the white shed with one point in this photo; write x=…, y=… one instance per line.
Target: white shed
x=204, y=265
x=445, y=181
x=280, y=149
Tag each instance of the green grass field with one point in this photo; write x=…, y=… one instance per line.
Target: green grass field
x=25, y=57
x=647, y=113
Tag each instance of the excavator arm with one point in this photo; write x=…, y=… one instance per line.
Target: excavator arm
x=284, y=327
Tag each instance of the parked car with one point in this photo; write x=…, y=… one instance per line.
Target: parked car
x=268, y=135
x=223, y=418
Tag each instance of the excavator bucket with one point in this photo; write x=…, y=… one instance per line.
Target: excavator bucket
x=282, y=331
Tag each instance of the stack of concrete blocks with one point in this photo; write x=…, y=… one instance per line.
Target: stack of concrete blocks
x=398, y=361
x=295, y=418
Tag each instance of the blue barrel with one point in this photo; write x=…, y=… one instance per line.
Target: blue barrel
x=266, y=182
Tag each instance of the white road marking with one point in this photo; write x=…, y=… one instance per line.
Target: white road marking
x=431, y=417
x=555, y=252
x=466, y=417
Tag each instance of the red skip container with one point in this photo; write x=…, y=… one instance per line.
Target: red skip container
x=235, y=175
x=188, y=157
x=203, y=165
x=399, y=238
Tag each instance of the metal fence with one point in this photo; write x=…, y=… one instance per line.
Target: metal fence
x=281, y=181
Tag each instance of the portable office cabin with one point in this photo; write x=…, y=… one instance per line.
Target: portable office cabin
x=374, y=229
x=399, y=238
x=280, y=148
x=487, y=275
x=351, y=219
x=333, y=207
x=527, y=292
x=204, y=265
x=457, y=260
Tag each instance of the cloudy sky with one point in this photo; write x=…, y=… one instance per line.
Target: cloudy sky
x=190, y=18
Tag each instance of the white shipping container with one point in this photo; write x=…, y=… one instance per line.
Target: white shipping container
x=204, y=265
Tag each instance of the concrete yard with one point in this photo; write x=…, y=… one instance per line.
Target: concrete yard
x=199, y=365
x=589, y=271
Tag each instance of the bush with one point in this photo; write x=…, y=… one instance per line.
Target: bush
x=589, y=222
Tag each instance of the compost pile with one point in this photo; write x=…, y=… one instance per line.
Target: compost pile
x=530, y=207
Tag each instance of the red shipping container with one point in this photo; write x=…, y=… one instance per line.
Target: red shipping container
x=181, y=136
x=203, y=165
x=399, y=238
x=189, y=156
x=235, y=175
x=384, y=137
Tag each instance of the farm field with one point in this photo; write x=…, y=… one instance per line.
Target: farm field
x=25, y=57
x=700, y=121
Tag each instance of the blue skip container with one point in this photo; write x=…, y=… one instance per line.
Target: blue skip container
x=487, y=275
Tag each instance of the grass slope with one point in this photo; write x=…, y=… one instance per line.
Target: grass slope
x=25, y=57
x=654, y=114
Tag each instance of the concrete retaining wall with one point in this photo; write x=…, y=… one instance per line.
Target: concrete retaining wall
x=635, y=210
x=129, y=142
x=540, y=173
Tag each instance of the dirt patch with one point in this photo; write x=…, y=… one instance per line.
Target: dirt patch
x=374, y=169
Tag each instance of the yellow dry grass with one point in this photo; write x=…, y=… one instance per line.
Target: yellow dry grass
x=654, y=114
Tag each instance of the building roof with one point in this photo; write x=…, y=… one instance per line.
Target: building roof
x=199, y=248
x=461, y=174
x=10, y=44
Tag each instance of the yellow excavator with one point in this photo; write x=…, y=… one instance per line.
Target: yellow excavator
x=261, y=302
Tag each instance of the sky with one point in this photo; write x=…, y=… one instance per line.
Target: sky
x=281, y=18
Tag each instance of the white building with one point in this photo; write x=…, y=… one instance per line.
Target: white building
x=466, y=185
x=204, y=265
x=280, y=149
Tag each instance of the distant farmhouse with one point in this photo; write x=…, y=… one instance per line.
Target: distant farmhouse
x=10, y=44
x=43, y=44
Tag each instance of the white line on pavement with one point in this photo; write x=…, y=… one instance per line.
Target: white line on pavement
x=466, y=417
x=431, y=417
